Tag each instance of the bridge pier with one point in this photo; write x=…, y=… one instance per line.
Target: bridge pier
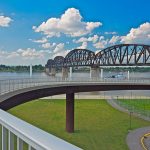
x=94, y=72
x=53, y=71
x=70, y=73
x=128, y=76
x=70, y=112
x=47, y=70
x=102, y=73
x=64, y=73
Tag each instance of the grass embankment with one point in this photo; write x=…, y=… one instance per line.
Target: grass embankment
x=98, y=126
x=140, y=104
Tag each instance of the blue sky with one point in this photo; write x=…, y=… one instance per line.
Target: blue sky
x=34, y=31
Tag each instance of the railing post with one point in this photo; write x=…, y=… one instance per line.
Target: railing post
x=30, y=148
x=0, y=88
x=19, y=144
x=10, y=141
x=4, y=138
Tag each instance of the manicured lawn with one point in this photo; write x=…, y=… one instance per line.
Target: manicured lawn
x=98, y=126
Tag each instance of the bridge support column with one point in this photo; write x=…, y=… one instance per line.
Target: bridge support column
x=47, y=70
x=53, y=71
x=128, y=75
x=64, y=73
x=70, y=73
x=102, y=73
x=30, y=70
x=94, y=72
x=70, y=112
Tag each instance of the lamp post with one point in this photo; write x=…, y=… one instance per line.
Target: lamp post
x=117, y=100
x=30, y=70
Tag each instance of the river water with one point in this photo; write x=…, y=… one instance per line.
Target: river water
x=131, y=93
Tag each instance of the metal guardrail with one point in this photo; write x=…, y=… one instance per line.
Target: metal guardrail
x=35, y=138
x=10, y=85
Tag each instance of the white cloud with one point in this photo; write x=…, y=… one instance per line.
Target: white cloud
x=138, y=35
x=48, y=45
x=59, y=47
x=43, y=40
x=102, y=43
x=112, y=33
x=83, y=46
x=60, y=50
x=70, y=23
x=30, y=53
x=5, y=21
x=93, y=39
x=115, y=39
x=24, y=57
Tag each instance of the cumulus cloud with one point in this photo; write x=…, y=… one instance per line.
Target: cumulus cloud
x=83, y=46
x=93, y=39
x=24, y=57
x=48, y=45
x=112, y=33
x=102, y=43
x=114, y=39
x=30, y=53
x=60, y=50
x=138, y=35
x=43, y=40
x=5, y=21
x=70, y=23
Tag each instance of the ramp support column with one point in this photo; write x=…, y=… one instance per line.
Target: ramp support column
x=64, y=73
x=70, y=112
x=94, y=72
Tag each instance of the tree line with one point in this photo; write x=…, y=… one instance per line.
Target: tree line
x=35, y=68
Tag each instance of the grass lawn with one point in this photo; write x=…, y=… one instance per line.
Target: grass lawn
x=141, y=104
x=98, y=126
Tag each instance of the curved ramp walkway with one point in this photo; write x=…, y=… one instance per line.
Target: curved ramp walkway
x=133, y=139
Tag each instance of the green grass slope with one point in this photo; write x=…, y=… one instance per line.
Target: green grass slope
x=98, y=126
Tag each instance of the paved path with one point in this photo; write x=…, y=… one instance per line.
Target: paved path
x=133, y=139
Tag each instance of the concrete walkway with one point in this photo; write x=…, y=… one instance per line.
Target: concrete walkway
x=133, y=139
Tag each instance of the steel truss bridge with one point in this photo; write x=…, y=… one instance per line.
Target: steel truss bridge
x=117, y=55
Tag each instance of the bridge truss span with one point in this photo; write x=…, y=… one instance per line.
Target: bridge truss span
x=79, y=57
x=117, y=55
x=124, y=54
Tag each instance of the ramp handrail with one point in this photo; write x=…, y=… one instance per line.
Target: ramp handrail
x=9, y=85
x=35, y=138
